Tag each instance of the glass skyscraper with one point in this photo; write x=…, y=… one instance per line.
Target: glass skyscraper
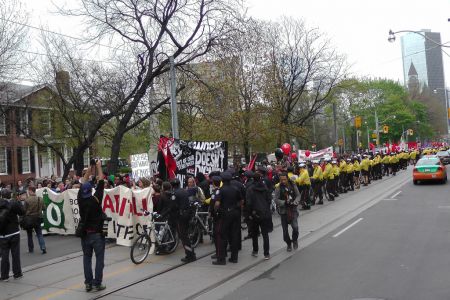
x=423, y=65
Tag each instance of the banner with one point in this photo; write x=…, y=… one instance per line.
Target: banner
x=302, y=154
x=192, y=157
x=122, y=204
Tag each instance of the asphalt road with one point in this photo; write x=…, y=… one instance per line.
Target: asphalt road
x=57, y=246
x=397, y=249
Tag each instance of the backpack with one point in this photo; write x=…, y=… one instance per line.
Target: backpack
x=4, y=212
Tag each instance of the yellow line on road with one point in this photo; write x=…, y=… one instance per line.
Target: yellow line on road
x=108, y=275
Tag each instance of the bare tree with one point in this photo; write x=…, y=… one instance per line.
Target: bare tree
x=305, y=69
x=152, y=31
x=12, y=38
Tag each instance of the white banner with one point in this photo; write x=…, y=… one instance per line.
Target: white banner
x=310, y=155
x=122, y=204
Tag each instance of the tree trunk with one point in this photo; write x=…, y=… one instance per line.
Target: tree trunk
x=246, y=145
x=67, y=166
x=78, y=161
x=115, y=151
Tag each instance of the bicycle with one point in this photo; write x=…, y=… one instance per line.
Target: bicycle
x=200, y=224
x=165, y=239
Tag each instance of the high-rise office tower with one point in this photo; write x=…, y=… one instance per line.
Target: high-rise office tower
x=423, y=68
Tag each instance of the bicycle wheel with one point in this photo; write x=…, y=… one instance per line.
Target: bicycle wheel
x=140, y=249
x=194, y=233
x=170, y=242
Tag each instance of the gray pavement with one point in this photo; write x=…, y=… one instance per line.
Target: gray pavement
x=62, y=277
x=399, y=250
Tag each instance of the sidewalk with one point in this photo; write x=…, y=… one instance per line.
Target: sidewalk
x=166, y=278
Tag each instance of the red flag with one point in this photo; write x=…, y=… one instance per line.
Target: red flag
x=251, y=165
x=371, y=146
x=169, y=161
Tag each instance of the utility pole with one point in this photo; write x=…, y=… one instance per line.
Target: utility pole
x=377, y=128
x=336, y=135
x=173, y=100
x=343, y=137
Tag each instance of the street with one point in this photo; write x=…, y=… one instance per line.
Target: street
x=390, y=242
x=399, y=250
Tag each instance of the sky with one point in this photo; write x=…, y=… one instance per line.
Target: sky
x=358, y=28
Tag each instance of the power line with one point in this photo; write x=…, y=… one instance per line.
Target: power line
x=64, y=35
x=58, y=56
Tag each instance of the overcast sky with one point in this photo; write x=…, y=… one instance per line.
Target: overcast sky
x=358, y=28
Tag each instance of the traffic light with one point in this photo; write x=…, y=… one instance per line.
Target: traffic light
x=358, y=121
x=385, y=129
x=410, y=132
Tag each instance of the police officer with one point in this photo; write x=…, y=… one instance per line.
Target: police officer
x=181, y=198
x=227, y=206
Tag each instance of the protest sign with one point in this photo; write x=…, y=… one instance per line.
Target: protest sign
x=140, y=165
x=123, y=205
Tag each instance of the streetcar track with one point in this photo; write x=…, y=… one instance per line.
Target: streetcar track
x=128, y=285
x=178, y=265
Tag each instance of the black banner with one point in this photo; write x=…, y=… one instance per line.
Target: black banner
x=192, y=157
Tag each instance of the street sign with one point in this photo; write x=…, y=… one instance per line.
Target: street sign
x=341, y=142
x=374, y=135
x=358, y=121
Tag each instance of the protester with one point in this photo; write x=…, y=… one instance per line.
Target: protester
x=91, y=220
x=258, y=200
x=10, y=235
x=33, y=219
x=287, y=198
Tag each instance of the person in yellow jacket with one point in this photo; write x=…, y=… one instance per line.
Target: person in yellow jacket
x=349, y=171
x=342, y=176
x=393, y=160
x=328, y=177
x=304, y=185
x=336, y=173
x=365, y=165
x=385, y=162
x=317, y=180
x=414, y=157
x=356, y=172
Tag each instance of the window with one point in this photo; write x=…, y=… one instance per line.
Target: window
x=23, y=121
x=26, y=163
x=3, y=161
x=86, y=158
x=47, y=122
x=2, y=124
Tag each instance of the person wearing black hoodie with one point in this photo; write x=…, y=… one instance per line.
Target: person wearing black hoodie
x=10, y=234
x=258, y=198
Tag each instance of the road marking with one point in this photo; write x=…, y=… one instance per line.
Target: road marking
x=398, y=193
x=390, y=199
x=347, y=228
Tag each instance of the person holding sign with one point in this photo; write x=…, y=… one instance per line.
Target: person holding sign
x=91, y=227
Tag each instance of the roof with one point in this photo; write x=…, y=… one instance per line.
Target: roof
x=13, y=92
x=412, y=70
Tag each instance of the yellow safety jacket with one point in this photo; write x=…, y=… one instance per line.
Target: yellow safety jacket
x=318, y=174
x=303, y=179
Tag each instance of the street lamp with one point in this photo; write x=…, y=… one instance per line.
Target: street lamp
x=391, y=37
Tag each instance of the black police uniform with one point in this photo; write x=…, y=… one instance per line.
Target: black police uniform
x=181, y=198
x=228, y=224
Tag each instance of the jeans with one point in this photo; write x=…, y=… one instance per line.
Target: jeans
x=39, y=236
x=93, y=242
x=12, y=244
x=294, y=225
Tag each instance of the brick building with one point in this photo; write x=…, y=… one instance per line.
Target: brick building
x=20, y=157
